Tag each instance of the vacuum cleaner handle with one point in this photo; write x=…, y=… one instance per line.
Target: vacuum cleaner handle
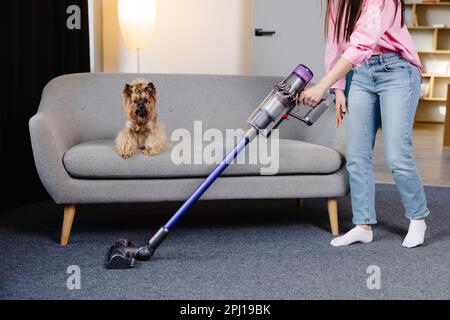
x=314, y=114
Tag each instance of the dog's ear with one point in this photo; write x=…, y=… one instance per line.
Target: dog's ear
x=127, y=90
x=151, y=89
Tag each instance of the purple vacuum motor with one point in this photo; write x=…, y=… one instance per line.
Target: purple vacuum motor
x=304, y=72
x=280, y=102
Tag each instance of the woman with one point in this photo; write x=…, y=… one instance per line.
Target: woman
x=369, y=38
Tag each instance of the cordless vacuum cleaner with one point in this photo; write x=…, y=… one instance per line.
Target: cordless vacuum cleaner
x=277, y=106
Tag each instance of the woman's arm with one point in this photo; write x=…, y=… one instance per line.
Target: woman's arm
x=313, y=95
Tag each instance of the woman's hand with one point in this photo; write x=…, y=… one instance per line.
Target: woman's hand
x=341, y=107
x=313, y=95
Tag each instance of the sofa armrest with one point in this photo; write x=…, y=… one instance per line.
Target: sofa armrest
x=325, y=133
x=51, y=136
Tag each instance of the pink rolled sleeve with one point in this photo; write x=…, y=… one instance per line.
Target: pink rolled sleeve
x=333, y=49
x=333, y=52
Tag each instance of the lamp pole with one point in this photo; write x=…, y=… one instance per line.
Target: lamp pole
x=138, y=61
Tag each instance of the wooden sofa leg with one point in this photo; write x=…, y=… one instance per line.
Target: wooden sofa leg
x=333, y=215
x=69, y=214
x=300, y=202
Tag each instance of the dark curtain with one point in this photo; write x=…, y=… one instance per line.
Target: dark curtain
x=38, y=47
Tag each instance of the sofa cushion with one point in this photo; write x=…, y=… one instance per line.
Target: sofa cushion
x=98, y=159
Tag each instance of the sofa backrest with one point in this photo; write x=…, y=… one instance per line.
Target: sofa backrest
x=93, y=101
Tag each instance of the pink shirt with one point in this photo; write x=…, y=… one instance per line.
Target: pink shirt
x=377, y=31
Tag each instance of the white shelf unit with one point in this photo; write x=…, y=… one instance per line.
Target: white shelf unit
x=429, y=24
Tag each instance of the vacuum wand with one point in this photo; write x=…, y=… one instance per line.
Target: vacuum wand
x=275, y=108
x=156, y=240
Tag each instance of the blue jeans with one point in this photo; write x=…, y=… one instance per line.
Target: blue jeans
x=383, y=92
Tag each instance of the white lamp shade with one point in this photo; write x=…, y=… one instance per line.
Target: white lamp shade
x=137, y=22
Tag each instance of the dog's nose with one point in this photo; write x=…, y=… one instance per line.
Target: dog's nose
x=140, y=103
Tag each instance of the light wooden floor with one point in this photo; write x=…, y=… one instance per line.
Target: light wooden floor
x=432, y=159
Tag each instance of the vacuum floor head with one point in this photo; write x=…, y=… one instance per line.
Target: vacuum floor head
x=121, y=255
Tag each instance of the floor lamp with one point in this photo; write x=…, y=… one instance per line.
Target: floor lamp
x=137, y=23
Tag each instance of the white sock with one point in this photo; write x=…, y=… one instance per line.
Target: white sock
x=357, y=234
x=416, y=234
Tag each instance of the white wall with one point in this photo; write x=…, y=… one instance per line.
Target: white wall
x=192, y=36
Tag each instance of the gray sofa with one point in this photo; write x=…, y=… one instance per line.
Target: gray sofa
x=73, y=133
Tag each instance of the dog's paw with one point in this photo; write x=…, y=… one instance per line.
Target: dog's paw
x=125, y=144
x=151, y=151
x=125, y=152
x=125, y=155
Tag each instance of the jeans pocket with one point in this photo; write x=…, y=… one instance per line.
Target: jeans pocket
x=396, y=65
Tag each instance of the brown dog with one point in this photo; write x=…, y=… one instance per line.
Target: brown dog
x=142, y=130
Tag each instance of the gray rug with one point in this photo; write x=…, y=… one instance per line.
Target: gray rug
x=226, y=250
